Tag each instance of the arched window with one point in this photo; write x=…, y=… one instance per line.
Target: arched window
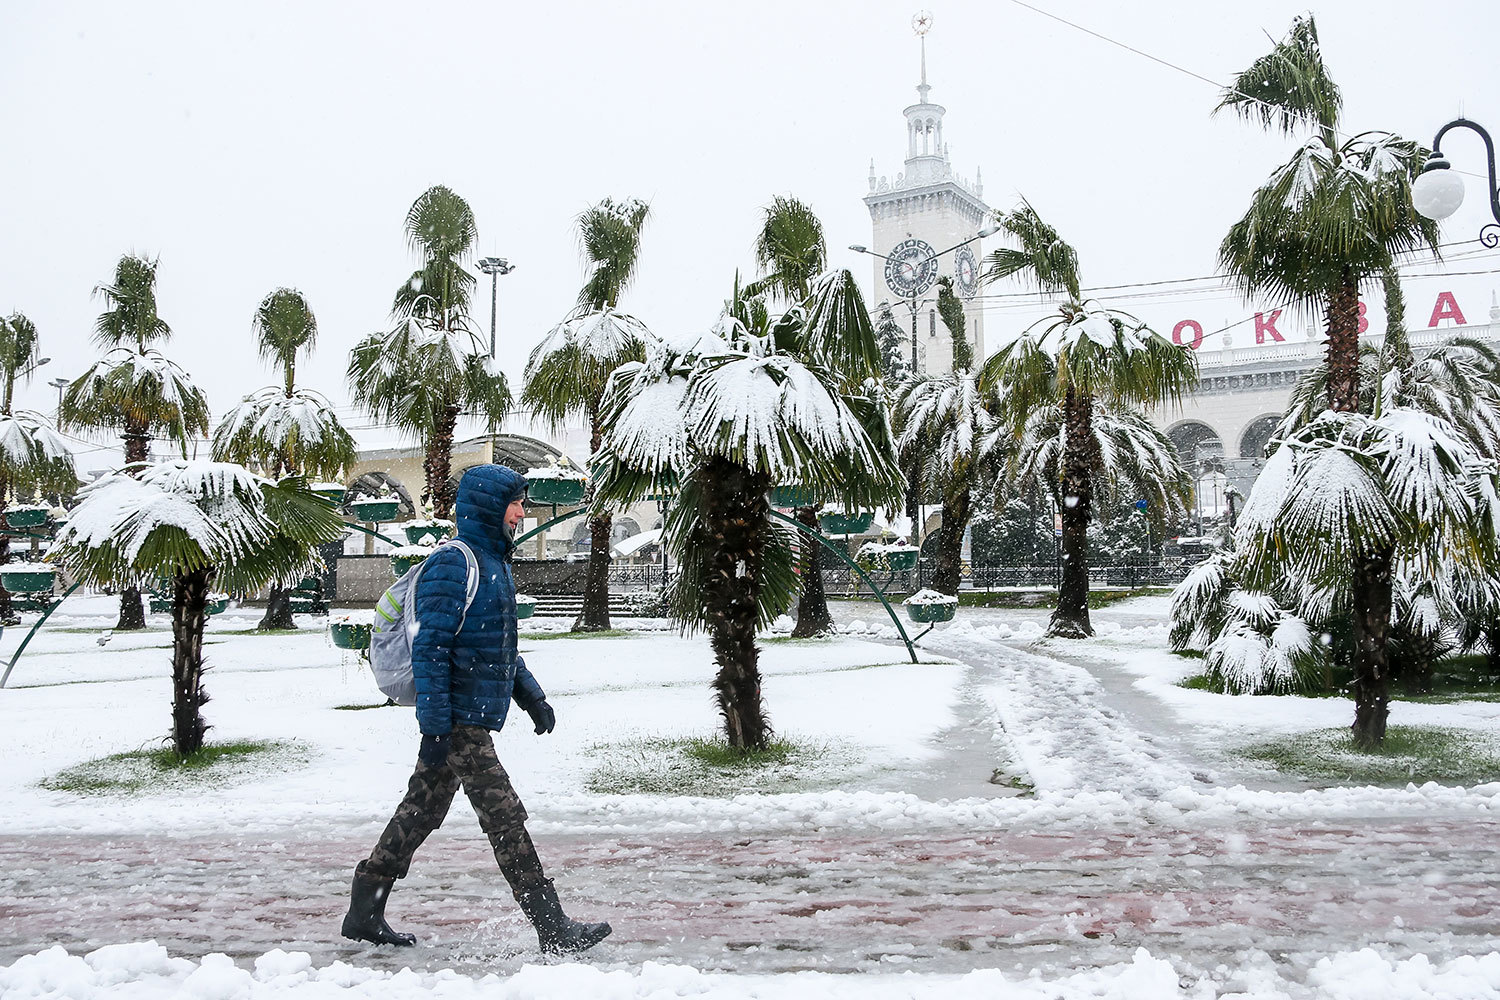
x=1257, y=435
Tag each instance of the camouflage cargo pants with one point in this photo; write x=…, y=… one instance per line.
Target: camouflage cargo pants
x=473, y=764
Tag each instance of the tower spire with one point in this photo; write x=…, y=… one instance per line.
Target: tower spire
x=921, y=23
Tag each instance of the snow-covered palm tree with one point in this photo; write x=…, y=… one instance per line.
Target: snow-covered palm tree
x=197, y=524
x=1082, y=357
x=419, y=378
x=1368, y=492
x=724, y=417
x=824, y=322
x=33, y=457
x=1087, y=363
x=568, y=371
x=134, y=389
x=947, y=434
x=282, y=430
x=1417, y=477
x=1253, y=641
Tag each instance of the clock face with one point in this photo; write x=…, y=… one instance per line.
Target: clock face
x=966, y=271
x=910, y=267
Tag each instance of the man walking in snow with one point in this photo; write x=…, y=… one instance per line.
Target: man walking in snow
x=467, y=671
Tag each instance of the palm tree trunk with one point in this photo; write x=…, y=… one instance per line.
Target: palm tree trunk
x=734, y=516
x=812, y=606
x=956, y=510
x=189, y=615
x=278, y=614
x=7, y=614
x=137, y=450
x=595, y=614
x=1372, y=574
x=278, y=610
x=1343, y=346
x=438, y=465
x=1372, y=668
x=1071, y=619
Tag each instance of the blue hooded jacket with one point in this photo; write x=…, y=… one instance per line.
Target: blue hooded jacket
x=467, y=676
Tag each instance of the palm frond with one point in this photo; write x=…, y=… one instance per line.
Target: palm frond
x=1289, y=88
x=132, y=295
x=609, y=236
x=790, y=248
x=1043, y=257
x=284, y=325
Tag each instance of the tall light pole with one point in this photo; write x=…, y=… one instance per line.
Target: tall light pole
x=911, y=300
x=59, y=384
x=1438, y=191
x=494, y=267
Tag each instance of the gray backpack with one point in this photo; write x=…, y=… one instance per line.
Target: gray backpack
x=396, y=623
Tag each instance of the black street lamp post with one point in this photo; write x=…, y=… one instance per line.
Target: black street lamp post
x=1438, y=190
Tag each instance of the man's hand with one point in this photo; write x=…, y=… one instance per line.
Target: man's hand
x=541, y=713
x=434, y=751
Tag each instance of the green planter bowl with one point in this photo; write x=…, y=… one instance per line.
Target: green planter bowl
x=792, y=496
x=400, y=565
x=350, y=635
x=931, y=612
x=30, y=518
x=333, y=496
x=847, y=524
x=899, y=561
x=563, y=492
x=427, y=532
x=26, y=583
x=218, y=607
x=375, y=511
x=525, y=609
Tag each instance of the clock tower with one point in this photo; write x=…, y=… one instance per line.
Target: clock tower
x=924, y=211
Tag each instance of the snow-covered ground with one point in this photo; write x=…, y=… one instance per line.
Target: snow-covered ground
x=1147, y=861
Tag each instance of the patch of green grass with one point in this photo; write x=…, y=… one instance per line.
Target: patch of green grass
x=782, y=640
x=1410, y=754
x=609, y=633
x=1203, y=682
x=711, y=767
x=161, y=770
x=360, y=708
x=267, y=631
x=1188, y=654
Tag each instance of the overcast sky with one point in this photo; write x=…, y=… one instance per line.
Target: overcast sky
x=256, y=145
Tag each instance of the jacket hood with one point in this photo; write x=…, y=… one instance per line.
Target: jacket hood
x=479, y=509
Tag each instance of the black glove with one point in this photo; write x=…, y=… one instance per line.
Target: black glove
x=434, y=752
x=541, y=713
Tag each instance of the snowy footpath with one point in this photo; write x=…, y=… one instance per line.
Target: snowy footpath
x=1008, y=818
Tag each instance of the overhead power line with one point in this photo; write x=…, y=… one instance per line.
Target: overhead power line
x=1181, y=69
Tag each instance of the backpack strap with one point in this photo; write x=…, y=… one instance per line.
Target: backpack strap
x=471, y=582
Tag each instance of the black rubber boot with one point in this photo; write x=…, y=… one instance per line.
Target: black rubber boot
x=366, y=918
x=554, y=931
